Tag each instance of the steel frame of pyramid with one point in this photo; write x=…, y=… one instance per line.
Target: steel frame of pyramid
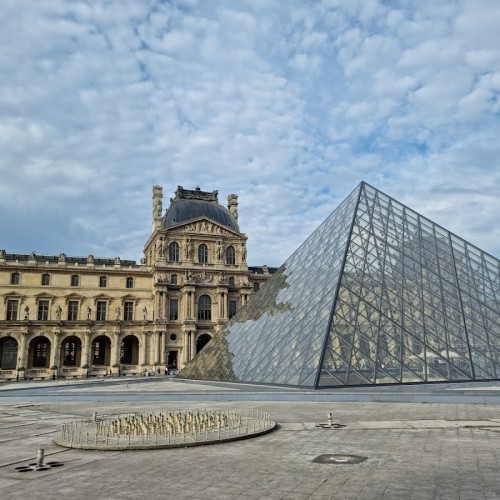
x=378, y=294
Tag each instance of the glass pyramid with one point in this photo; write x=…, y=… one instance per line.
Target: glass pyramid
x=378, y=294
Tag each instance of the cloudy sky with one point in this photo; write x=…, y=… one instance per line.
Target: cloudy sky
x=287, y=103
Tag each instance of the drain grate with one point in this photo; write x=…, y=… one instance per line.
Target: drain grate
x=36, y=467
x=339, y=459
x=330, y=426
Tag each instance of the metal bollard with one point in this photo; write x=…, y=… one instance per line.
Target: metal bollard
x=39, y=456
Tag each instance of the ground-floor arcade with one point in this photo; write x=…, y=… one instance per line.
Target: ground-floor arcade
x=75, y=353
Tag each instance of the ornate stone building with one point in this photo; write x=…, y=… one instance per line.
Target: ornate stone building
x=67, y=316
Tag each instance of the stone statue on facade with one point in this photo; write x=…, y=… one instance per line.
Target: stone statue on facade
x=58, y=312
x=145, y=313
x=26, y=312
x=188, y=252
x=89, y=313
x=118, y=313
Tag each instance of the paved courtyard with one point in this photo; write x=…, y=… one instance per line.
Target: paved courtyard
x=436, y=446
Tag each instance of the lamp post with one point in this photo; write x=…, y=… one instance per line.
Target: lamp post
x=18, y=365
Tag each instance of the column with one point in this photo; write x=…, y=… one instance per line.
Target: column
x=23, y=350
x=142, y=348
x=185, y=347
x=221, y=305
x=193, y=345
x=85, y=354
x=115, y=349
x=161, y=349
x=54, y=351
x=154, y=348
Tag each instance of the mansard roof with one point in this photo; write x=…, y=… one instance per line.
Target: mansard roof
x=192, y=204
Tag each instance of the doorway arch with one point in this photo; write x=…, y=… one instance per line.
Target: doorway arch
x=101, y=351
x=39, y=353
x=202, y=341
x=71, y=352
x=129, y=350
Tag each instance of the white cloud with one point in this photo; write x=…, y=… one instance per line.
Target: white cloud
x=287, y=104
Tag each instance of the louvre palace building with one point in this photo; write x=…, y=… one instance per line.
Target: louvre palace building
x=76, y=317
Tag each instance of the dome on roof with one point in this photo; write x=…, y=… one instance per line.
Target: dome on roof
x=188, y=205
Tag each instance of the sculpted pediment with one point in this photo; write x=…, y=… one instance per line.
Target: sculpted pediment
x=207, y=226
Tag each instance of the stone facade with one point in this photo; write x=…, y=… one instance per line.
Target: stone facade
x=71, y=317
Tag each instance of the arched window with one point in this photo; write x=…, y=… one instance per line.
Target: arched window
x=71, y=351
x=103, y=281
x=230, y=255
x=203, y=254
x=129, y=282
x=231, y=280
x=41, y=353
x=75, y=280
x=8, y=353
x=101, y=350
x=205, y=308
x=45, y=279
x=173, y=251
x=129, y=350
x=14, y=278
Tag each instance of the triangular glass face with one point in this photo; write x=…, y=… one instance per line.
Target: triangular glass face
x=378, y=294
x=279, y=336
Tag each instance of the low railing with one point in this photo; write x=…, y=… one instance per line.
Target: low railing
x=148, y=430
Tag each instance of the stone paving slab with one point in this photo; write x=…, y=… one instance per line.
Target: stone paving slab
x=414, y=451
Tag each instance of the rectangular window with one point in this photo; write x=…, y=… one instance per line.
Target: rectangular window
x=128, y=313
x=12, y=307
x=73, y=310
x=101, y=310
x=43, y=310
x=75, y=280
x=103, y=281
x=14, y=279
x=130, y=283
x=45, y=279
x=173, y=310
x=231, y=310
